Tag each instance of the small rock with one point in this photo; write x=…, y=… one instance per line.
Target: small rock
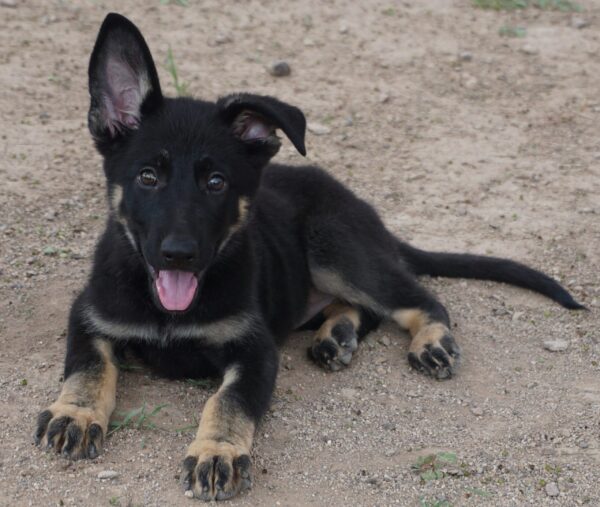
x=108, y=474
x=552, y=489
x=279, y=68
x=385, y=340
x=469, y=81
x=465, y=56
x=8, y=3
x=516, y=316
x=529, y=50
x=223, y=38
x=50, y=215
x=500, y=311
x=579, y=22
x=343, y=28
x=349, y=393
x=390, y=452
x=583, y=444
x=348, y=121
x=384, y=98
x=413, y=394
x=556, y=345
x=189, y=493
x=478, y=411
x=318, y=129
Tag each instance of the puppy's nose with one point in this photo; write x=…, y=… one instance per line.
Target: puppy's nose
x=179, y=250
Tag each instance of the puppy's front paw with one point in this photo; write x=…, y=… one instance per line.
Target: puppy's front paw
x=435, y=352
x=75, y=432
x=216, y=470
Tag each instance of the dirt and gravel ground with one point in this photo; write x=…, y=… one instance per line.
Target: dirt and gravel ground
x=464, y=138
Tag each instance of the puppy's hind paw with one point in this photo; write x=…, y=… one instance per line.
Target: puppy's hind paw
x=437, y=356
x=335, y=352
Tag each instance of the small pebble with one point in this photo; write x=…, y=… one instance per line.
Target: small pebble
x=516, y=316
x=318, y=129
x=108, y=474
x=279, y=68
x=469, y=81
x=579, y=22
x=385, y=340
x=223, y=38
x=50, y=215
x=478, y=411
x=8, y=3
x=349, y=393
x=556, y=345
x=529, y=50
x=465, y=56
x=552, y=489
x=189, y=493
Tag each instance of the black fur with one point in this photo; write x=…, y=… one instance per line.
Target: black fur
x=302, y=229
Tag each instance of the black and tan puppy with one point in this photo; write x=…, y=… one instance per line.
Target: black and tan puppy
x=211, y=257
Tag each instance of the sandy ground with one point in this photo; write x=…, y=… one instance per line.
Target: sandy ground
x=464, y=139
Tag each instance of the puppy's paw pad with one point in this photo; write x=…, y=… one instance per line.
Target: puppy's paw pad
x=435, y=356
x=335, y=352
x=70, y=430
x=216, y=471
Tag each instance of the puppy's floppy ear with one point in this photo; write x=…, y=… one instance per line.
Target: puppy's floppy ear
x=254, y=119
x=123, y=82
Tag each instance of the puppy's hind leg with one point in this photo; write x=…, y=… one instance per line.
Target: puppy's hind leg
x=432, y=349
x=390, y=291
x=354, y=258
x=337, y=338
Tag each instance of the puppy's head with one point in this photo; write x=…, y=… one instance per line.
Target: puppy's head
x=181, y=172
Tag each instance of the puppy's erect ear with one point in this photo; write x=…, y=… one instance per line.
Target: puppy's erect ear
x=123, y=82
x=254, y=119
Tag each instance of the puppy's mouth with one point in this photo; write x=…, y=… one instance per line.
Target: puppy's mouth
x=175, y=290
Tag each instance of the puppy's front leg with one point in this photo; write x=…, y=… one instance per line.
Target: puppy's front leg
x=76, y=423
x=217, y=465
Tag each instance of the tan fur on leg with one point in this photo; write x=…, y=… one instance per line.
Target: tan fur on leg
x=217, y=461
x=78, y=420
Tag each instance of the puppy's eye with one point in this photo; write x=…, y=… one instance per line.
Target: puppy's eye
x=216, y=183
x=147, y=177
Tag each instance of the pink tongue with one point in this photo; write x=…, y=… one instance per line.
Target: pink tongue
x=176, y=289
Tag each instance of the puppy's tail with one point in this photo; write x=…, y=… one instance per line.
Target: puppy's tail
x=454, y=265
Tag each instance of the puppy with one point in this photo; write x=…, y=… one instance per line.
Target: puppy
x=211, y=257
